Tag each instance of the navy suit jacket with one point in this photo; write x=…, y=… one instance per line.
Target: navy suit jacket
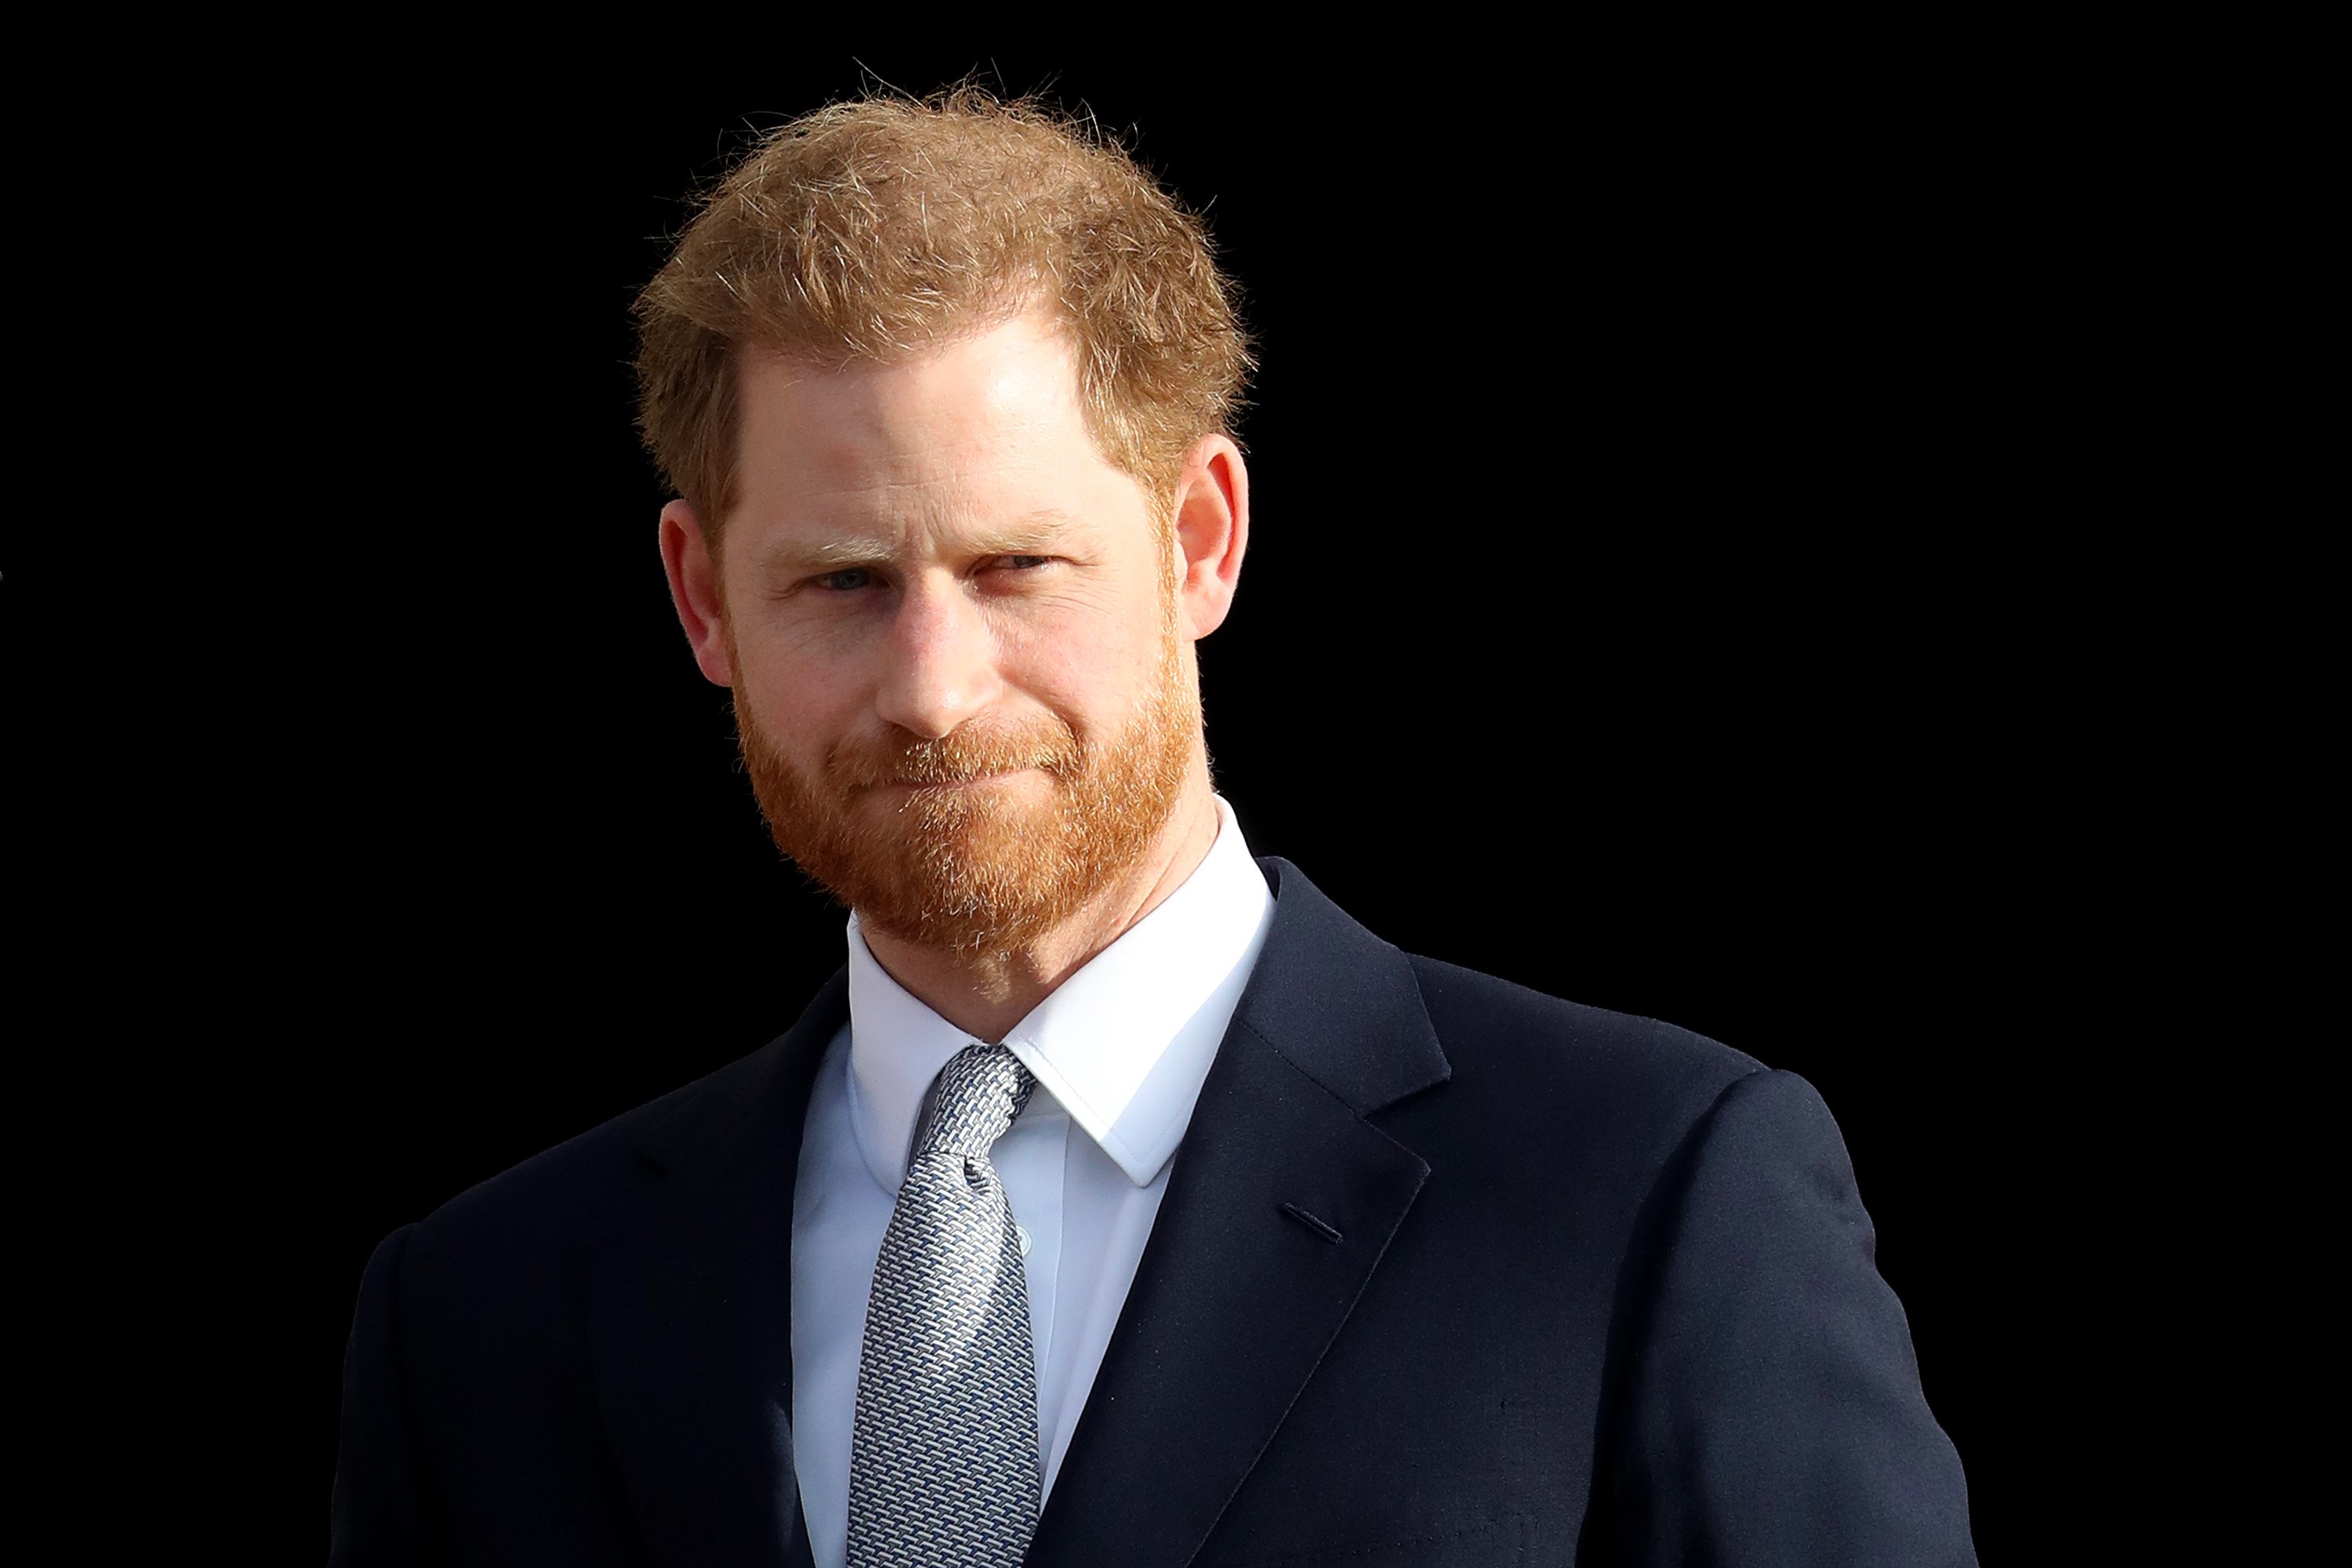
x=1447, y=1272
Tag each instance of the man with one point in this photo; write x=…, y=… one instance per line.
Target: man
x=1121, y=1201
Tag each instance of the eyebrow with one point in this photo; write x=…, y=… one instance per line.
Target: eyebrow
x=1026, y=535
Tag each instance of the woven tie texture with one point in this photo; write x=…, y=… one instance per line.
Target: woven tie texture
x=943, y=1456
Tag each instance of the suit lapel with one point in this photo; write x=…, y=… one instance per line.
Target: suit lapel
x=691, y=1298
x=1236, y=1298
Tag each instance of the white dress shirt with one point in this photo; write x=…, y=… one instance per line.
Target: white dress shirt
x=1121, y=1050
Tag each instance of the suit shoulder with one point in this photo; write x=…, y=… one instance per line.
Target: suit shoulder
x=561, y=1191
x=1493, y=1028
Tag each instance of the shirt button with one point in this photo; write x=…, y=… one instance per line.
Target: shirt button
x=1023, y=1232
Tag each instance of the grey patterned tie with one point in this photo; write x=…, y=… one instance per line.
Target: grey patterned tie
x=943, y=1459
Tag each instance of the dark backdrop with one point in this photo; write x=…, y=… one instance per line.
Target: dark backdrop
x=1633, y=610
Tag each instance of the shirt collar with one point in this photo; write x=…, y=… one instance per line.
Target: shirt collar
x=1123, y=1045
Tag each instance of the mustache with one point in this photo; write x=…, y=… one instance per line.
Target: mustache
x=868, y=762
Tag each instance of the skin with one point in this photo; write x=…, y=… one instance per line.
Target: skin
x=936, y=543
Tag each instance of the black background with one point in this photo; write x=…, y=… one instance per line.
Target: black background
x=1639, y=607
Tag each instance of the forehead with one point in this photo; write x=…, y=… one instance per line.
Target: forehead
x=993, y=411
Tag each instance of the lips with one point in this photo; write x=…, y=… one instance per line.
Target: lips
x=956, y=782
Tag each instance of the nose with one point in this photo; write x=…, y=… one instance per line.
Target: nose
x=940, y=662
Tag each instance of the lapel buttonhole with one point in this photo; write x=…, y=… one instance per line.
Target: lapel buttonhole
x=1311, y=1222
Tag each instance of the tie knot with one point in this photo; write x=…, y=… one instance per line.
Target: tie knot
x=973, y=1102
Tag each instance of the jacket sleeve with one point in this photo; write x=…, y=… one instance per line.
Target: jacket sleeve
x=382, y=1515
x=1769, y=1410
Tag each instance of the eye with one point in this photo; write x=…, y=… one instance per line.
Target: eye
x=849, y=579
x=1023, y=562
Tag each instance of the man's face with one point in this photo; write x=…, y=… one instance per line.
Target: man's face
x=962, y=697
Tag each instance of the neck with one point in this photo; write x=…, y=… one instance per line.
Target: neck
x=985, y=997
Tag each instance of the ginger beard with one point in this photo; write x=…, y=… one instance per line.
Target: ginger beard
x=980, y=870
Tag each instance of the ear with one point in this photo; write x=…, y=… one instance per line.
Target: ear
x=694, y=589
x=1212, y=532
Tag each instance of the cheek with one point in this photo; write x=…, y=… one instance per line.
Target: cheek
x=803, y=693
x=1095, y=669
